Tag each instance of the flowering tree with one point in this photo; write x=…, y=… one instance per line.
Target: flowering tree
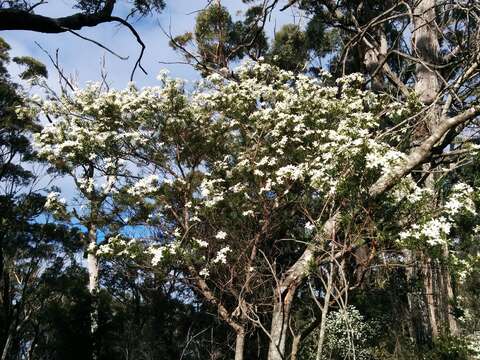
x=89, y=141
x=251, y=182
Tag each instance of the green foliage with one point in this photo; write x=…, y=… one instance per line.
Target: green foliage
x=347, y=336
x=449, y=348
x=34, y=68
x=289, y=50
x=219, y=41
x=215, y=35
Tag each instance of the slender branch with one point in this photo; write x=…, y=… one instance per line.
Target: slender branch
x=98, y=44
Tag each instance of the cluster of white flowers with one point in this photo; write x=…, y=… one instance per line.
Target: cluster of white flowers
x=435, y=230
x=159, y=252
x=265, y=134
x=211, y=191
x=145, y=186
x=118, y=246
x=221, y=235
x=53, y=200
x=56, y=205
x=383, y=158
x=460, y=200
x=201, y=243
x=204, y=272
x=289, y=172
x=283, y=132
x=221, y=256
x=86, y=185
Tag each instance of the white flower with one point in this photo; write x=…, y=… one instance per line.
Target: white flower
x=204, y=272
x=145, y=186
x=435, y=230
x=201, y=243
x=53, y=200
x=248, y=213
x=290, y=172
x=309, y=227
x=453, y=206
x=460, y=199
x=221, y=235
x=222, y=255
x=157, y=255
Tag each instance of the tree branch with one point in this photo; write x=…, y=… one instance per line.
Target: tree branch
x=17, y=19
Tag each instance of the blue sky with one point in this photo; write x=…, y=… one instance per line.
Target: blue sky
x=82, y=58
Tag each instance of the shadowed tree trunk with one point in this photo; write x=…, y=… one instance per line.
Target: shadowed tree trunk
x=92, y=267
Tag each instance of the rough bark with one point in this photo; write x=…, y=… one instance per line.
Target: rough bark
x=449, y=296
x=419, y=318
x=430, y=297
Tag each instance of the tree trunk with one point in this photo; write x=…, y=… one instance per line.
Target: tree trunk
x=426, y=47
x=430, y=297
x=449, y=297
x=295, y=346
x=325, y=308
x=416, y=301
x=278, y=331
x=92, y=266
x=240, y=344
x=280, y=319
x=92, y=261
x=374, y=59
